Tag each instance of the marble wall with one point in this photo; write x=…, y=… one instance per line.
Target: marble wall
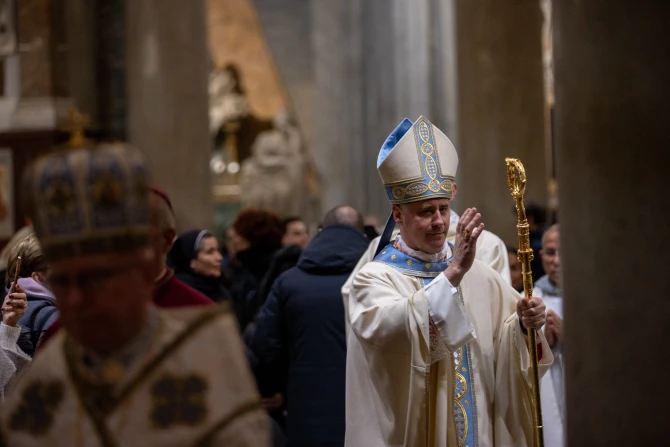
x=287, y=28
x=168, y=102
x=376, y=62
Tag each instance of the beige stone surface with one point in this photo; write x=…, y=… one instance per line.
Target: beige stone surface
x=612, y=140
x=168, y=101
x=500, y=107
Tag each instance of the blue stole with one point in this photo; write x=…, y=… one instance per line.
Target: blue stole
x=465, y=414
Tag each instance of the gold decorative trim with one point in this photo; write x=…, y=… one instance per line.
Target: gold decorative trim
x=191, y=329
x=408, y=272
x=93, y=412
x=461, y=441
x=241, y=410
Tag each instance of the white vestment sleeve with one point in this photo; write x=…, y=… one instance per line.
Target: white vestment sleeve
x=9, y=335
x=447, y=313
x=12, y=360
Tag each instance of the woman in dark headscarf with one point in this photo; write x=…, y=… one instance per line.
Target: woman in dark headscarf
x=196, y=260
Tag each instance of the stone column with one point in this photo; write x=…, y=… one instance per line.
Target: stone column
x=500, y=102
x=168, y=100
x=287, y=26
x=612, y=139
x=338, y=77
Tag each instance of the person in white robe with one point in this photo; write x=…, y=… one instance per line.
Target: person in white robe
x=491, y=250
x=437, y=352
x=121, y=372
x=552, y=385
x=13, y=361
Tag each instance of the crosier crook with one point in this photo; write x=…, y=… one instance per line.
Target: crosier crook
x=516, y=180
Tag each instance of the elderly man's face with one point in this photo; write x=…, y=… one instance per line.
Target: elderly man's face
x=551, y=259
x=423, y=225
x=103, y=298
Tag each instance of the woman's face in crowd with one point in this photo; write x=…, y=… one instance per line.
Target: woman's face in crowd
x=208, y=261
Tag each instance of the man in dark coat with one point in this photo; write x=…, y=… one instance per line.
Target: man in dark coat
x=302, y=326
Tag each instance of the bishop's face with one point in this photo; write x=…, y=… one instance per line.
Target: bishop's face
x=103, y=298
x=423, y=225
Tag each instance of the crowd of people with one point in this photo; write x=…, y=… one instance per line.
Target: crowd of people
x=118, y=330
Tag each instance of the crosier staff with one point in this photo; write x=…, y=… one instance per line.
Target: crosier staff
x=516, y=180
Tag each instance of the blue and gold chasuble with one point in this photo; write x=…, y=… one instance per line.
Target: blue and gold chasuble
x=465, y=414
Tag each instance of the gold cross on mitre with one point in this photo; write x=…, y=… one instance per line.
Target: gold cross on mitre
x=75, y=123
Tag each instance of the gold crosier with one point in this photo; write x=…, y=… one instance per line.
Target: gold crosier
x=516, y=180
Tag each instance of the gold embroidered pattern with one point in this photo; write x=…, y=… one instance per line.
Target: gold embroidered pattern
x=427, y=149
x=431, y=181
x=60, y=198
x=178, y=401
x=460, y=415
x=108, y=191
x=35, y=414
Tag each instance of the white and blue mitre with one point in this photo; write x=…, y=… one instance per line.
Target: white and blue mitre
x=88, y=200
x=417, y=162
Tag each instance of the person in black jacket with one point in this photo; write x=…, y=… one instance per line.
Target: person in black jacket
x=258, y=233
x=196, y=261
x=302, y=326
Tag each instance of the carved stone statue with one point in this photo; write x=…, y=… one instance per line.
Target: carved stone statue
x=229, y=109
x=226, y=101
x=548, y=51
x=272, y=178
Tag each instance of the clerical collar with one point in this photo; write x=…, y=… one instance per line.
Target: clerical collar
x=423, y=256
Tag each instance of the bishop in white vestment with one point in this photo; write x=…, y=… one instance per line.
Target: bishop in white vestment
x=122, y=373
x=437, y=354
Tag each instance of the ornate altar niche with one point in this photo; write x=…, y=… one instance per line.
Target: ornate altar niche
x=259, y=157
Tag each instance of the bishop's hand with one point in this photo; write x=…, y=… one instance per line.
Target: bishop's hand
x=468, y=231
x=531, y=312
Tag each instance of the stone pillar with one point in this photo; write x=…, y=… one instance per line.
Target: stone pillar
x=287, y=26
x=500, y=102
x=377, y=62
x=168, y=119
x=612, y=96
x=338, y=76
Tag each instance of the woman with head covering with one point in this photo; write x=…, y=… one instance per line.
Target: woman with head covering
x=196, y=260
